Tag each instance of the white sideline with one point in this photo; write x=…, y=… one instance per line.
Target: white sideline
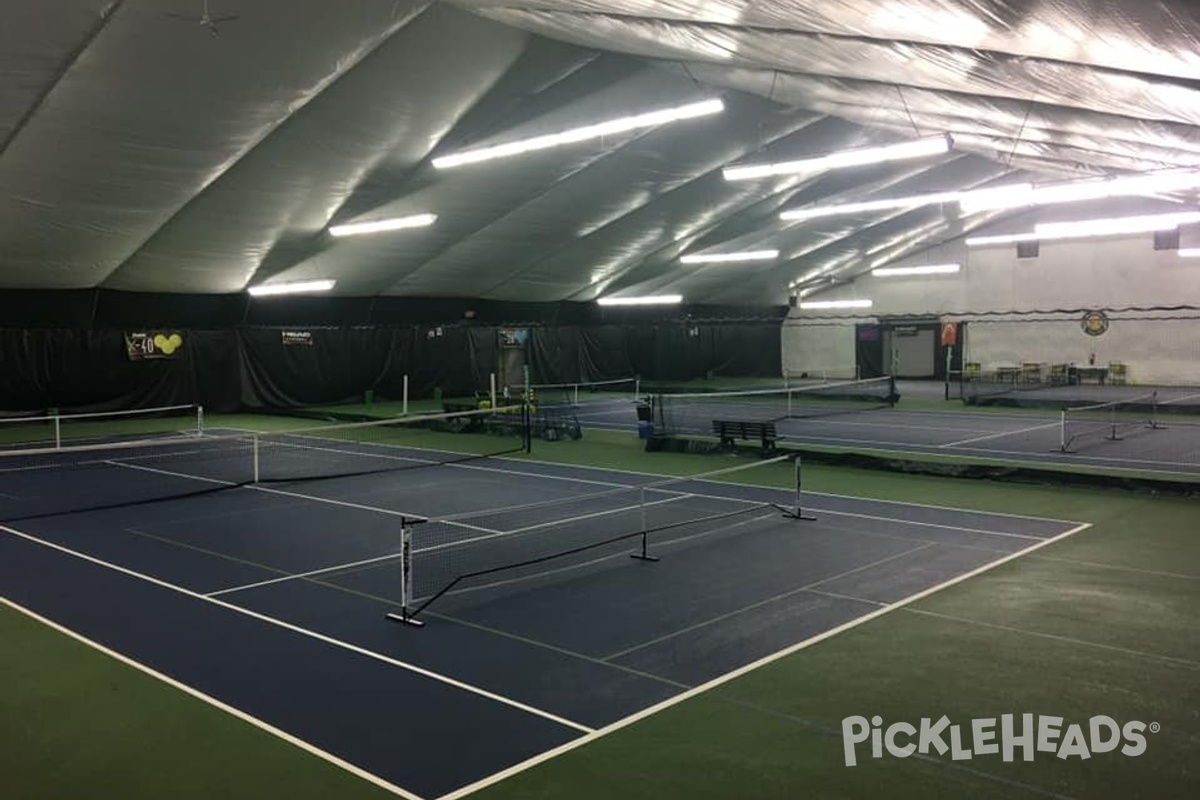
x=212, y=701
x=457, y=684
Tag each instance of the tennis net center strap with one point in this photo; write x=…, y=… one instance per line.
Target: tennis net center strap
x=405, y=614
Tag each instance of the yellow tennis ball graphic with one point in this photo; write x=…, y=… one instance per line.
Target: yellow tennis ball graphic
x=168, y=344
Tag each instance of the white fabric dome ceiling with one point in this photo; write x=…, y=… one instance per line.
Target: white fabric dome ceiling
x=137, y=152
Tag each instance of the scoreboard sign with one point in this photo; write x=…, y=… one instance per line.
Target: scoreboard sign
x=141, y=345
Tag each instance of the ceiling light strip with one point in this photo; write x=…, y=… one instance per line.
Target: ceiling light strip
x=299, y=287
x=718, y=258
x=842, y=209
x=649, y=119
x=929, y=269
x=646, y=300
x=383, y=225
x=919, y=148
x=819, y=305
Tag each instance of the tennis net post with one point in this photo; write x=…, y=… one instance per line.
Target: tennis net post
x=796, y=511
x=644, y=553
x=406, y=613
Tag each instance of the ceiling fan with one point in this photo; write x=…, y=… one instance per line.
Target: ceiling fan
x=206, y=20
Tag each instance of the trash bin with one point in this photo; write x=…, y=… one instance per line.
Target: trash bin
x=645, y=428
x=644, y=412
x=369, y=397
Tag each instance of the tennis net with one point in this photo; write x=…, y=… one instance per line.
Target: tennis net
x=40, y=482
x=575, y=393
x=61, y=430
x=696, y=412
x=507, y=549
x=1110, y=420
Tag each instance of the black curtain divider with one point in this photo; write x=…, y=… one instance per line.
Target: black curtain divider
x=80, y=369
x=868, y=350
x=604, y=353
x=336, y=366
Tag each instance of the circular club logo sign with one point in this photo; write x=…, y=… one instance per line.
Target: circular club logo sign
x=1095, y=323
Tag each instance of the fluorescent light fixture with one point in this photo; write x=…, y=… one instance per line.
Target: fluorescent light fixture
x=1089, y=228
x=847, y=158
x=986, y=241
x=821, y=304
x=931, y=269
x=1116, y=226
x=300, y=287
x=841, y=209
x=648, y=300
x=1017, y=195
x=1189, y=252
x=717, y=258
x=379, y=226
x=1025, y=194
x=649, y=119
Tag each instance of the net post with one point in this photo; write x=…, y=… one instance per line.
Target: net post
x=57, y=432
x=1062, y=432
x=405, y=614
x=492, y=390
x=199, y=420
x=576, y=401
x=796, y=512
x=527, y=424
x=1154, y=411
x=254, y=442
x=637, y=388
x=404, y=397
x=644, y=555
x=1112, y=422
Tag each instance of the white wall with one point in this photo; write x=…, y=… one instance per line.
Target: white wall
x=994, y=286
x=822, y=350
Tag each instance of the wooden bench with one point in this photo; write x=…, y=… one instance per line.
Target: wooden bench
x=730, y=430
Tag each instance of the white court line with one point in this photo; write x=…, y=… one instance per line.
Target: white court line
x=604, y=513
x=214, y=702
x=543, y=574
x=1000, y=435
x=1179, y=400
x=1113, y=462
x=739, y=672
x=492, y=534
x=699, y=478
x=959, y=528
x=353, y=648
x=315, y=498
x=766, y=601
x=301, y=575
x=830, y=422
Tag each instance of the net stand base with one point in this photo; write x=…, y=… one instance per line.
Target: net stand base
x=796, y=514
x=404, y=618
x=643, y=557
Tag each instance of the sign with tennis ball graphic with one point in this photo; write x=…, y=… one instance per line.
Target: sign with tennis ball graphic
x=154, y=344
